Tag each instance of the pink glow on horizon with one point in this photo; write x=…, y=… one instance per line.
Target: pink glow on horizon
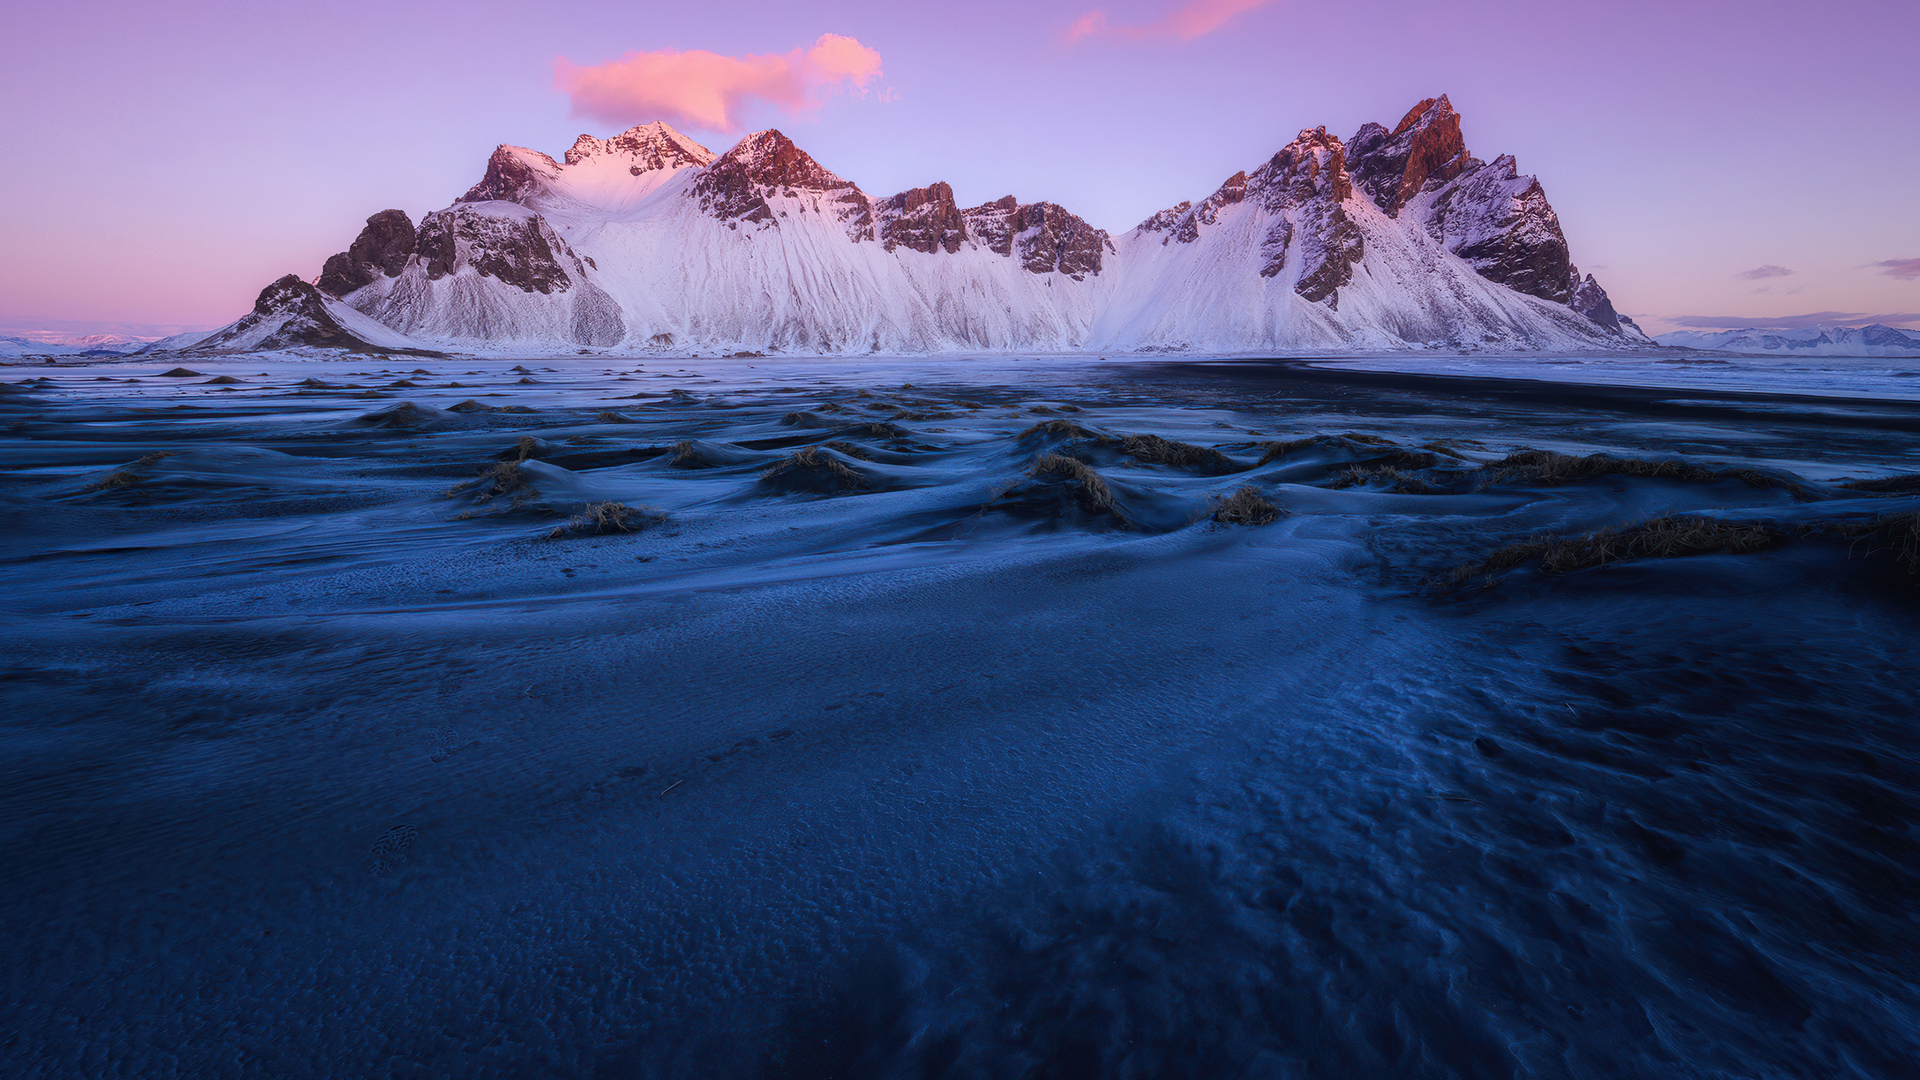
x=1197, y=18
x=708, y=90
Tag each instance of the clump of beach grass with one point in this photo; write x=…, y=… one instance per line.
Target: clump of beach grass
x=1668, y=537
x=813, y=467
x=605, y=518
x=129, y=476
x=1064, y=429
x=1245, y=507
x=1399, y=482
x=1552, y=467
x=1094, y=494
x=1154, y=450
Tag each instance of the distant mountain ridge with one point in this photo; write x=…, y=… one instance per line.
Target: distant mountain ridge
x=1875, y=339
x=1397, y=238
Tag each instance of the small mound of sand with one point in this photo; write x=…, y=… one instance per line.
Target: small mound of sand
x=1396, y=481
x=603, y=518
x=1887, y=485
x=471, y=406
x=816, y=470
x=1551, y=467
x=1057, y=429
x=1094, y=494
x=406, y=414
x=181, y=373
x=1669, y=537
x=1245, y=507
x=876, y=430
x=1154, y=450
x=221, y=380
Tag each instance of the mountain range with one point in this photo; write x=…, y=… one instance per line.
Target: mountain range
x=1394, y=238
x=1876, y=339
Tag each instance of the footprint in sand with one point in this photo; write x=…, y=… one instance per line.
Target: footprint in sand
x=390, y=850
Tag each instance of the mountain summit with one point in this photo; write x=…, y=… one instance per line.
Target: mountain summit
x=1395, y=238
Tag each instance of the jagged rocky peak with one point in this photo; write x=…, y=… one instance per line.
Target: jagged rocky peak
x=771, y=160
x=1307, y=185
x=735, y=188
x=383, y=247
x=650, y=146
x=1044, y=236
x=517, y=248
x=513, y=174
x=1313, y=165
x=1501, y=223
x=1426, y=147
x=921, y=219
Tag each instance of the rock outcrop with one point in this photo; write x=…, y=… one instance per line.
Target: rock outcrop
x=383, y=247
x=1501, y=223
x=921, y=219
x=1425, y=147
x=767, y=164
x=1044, y=236
x=287, y=314
x=513, y=174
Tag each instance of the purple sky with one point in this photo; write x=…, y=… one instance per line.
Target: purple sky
x=1717, y=160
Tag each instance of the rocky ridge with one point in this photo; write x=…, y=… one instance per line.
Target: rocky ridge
x=648, y=237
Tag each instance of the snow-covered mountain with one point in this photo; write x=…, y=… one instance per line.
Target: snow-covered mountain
x=1393, y=239
x=1876, y=339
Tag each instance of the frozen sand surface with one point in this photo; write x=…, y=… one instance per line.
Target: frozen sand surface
x=308, y=775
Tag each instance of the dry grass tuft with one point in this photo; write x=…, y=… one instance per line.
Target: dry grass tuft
x=812, y=467
x=611, y=417
x=1891, y=485
x=127, y=477
x=878, y=429
x=1277, y=450
x=1245, y=507
x=1898, y=534
x=686, y=455
x=1551, y=467
x=1094, y=493
x=852, y=450
x=1668, y=537
x=1154, y=450
x=603, y=518
x=1397, y=481
x=1055, y=428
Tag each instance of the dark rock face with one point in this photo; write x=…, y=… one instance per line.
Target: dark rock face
x=1308, y=182
x=1231, y=192
x=1165, y=220
x=293, y=313
x=511, y=178
x=384, y=246
x=522, y=252
x=1424, y=148
x=735, y=186
x=1501, y=223
x=1589, y=299
x=1044, y=236
x=922, y=219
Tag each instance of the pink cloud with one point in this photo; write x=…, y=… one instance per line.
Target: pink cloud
x=1904, y=269
x=1196, y=18
x=701, y=89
